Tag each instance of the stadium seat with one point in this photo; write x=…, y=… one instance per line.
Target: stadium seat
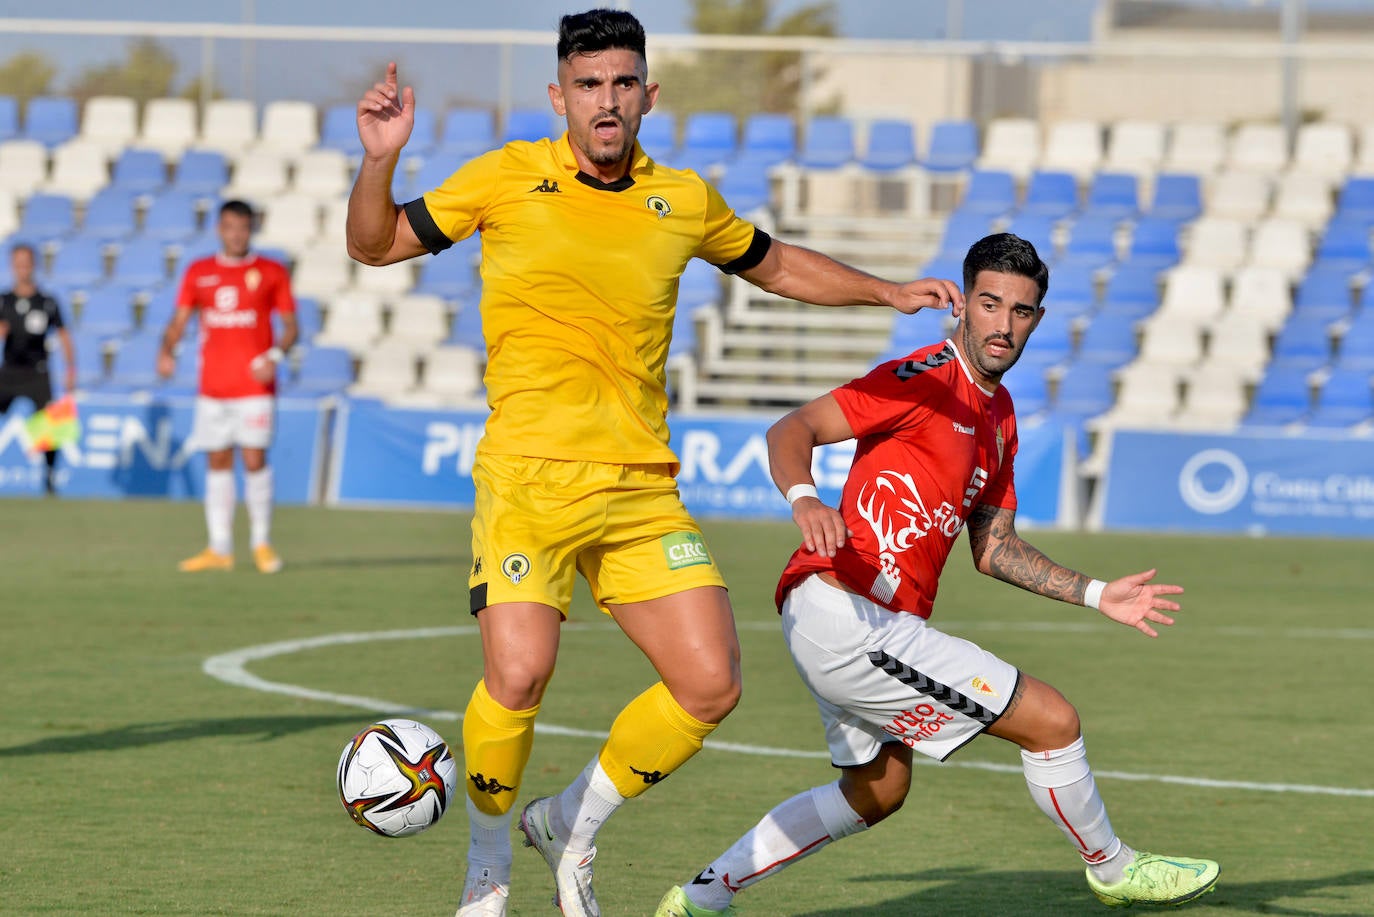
x=339, y=130
x=109, y=215
x=418, y=320
x=1092, y=242
x=1216, y=242
x=322, y=174
x=1193, y=297
x=107, y=313
x=202, y=173
x=90, y=360
x=528, y=124
x=1257, y=147
x=1154, y=243
x=50, y=120
x=171, y=217
x=322, y=371
x=1197, y=147
x=290, y=222
x=1304, y=197
x=658, y=136
x=454, y=373
x=158, y=309
x=141, y=266
x=9, y=217
x=387, y=371
x=322, y=273
x=1282, y=244
x=1213, y=400
x=289, y=128
x=1239, y=195
x=134, y=367
x=1053, y=341
x=829, y=142
x=891, y=146
x=1113, y=194
x=78, y=263
x=23, y=166
x=259, y=176
x=1261, y=294
x=699, y=286
x=1135, y=147
x=952, y=147
x=1177, y=197
x=1147, y=396
x=387, y=281
x=1074, y=290
x=1011, y=145
x=1132, y=290
x=1074, y=147
x=353, y=321
x=1282, y=397
x=1324, y=295
x=139, y=171
x=912, y=332
x=1324, y=148
x=466, y=330
x=1303, y=344
x=229, y=126
x=169, y=127
x=768, y=139
x=1343, y=400
x=1028, y=388
x=1084, y=390
x=79, y=169
x=467, y=132
x=1037, y=229
x=1357, y=342
x=109, y=122
x=1053, y=194
x=746, y=186
x=962, y=228
x=1344, y=243
x=990, y=193
x=1174, y=347
x=9, y=118
x=1356, y=201
x=424, y=133
x=708, y=138
x=47, y=217
x=1240, y=344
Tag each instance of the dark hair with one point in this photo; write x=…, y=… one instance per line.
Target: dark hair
x=599, y=30
x=241, y=208
x=1004, y=253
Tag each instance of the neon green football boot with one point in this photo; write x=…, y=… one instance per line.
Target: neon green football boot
x=1157, y=880
x=677, y=904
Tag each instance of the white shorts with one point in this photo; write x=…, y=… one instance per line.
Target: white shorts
x=222, y=423
x=882, y=676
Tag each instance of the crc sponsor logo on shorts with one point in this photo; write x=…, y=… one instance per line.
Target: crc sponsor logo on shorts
x=920, y=722
x=515, y=567
x=684, y=549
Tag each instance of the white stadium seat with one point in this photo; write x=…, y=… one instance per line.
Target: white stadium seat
x=1258, y=147
x=1193, y=296
x=386, y=371
x=289, y=128
x=1147, y=396
x=353, y=321
x=1261, y=294
x=290, y=222
x=1011, y=145
x=417, y=319
x=1324, y=148
x=257, y=177
x=1283, y=244
x=453, y=374
x=169, y=126
x=1305, y=197
x=1216, y=242
x=322, y=272
x=1364, y=160
x=23, y=166
x=1239, y=195
x=1176, y=345
x=1135, y=147
x=109, y=122
x=1213, y=399
x=1196, y=147
x=9, y=212
x=1239, y=342
x=387, y=280
x=230, y=126
x=1073, y=146
x=322, y=174
x=79, y=169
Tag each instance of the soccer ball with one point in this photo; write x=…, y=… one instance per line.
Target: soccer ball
x=396, y=777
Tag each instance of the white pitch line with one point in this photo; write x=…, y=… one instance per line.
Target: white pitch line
x=231, y=668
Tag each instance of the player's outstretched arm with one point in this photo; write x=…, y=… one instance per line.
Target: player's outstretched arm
x=166, y=354
x=378, y=231
x=1000, y=552
x=790, y=443
x=806, y=275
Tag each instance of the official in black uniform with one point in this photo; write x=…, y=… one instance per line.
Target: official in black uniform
x=27, y=315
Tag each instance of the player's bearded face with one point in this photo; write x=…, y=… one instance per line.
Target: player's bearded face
x=999, y=318
x=604, y=96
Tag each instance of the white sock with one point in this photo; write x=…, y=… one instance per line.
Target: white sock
x=795, y=829
x=1062, y=785
x=219, y=510
x=489, y=842
x=257, y=495
x=580, y=810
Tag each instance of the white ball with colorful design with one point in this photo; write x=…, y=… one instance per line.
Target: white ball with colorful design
x=397, y=777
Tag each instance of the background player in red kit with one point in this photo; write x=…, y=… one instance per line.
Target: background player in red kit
x=936, y=439
x=235, y=293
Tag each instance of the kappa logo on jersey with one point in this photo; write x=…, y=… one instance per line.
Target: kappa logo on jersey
x=659, y=205
x=545, y=187
x=476, y=567
x=684, y=549
x=909, y=369
x=515, y=567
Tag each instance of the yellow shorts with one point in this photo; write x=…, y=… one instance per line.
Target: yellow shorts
x=538, y=522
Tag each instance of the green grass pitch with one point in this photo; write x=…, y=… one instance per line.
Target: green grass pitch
x=134, y=783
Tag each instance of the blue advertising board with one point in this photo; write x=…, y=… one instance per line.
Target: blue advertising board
x=137, y=447
x=1256, y=484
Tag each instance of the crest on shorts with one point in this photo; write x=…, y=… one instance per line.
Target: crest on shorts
x=983, y=687
x=515, y=567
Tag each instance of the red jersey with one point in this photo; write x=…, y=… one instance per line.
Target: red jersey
x=931, y=444
x=236, y=299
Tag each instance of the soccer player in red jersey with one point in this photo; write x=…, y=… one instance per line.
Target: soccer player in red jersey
x=936, y=440
x=235, y=293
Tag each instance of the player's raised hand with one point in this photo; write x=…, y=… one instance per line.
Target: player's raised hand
x=822, y=527
x=386, y=116
x=1136, y=602
x=929, y=293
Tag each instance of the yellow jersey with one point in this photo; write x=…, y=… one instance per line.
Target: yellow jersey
x=579, y=289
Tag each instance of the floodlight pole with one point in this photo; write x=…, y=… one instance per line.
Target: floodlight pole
x=1291, y=26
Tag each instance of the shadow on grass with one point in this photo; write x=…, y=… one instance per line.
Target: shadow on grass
x=454, y=558
x=982, y=893
x=139, y=735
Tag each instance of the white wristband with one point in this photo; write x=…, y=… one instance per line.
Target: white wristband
x=1092, y=596
x=275, y=354
x=797, y=491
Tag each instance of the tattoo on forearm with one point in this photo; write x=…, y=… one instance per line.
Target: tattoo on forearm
x=1004, y=554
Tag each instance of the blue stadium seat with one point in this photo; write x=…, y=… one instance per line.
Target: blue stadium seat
x=746, y=186
x=1282, y=397
x=528, y=124
x=51, y=120
x=158, y=310
x=1052, y=341
x=1154, y=242
x=107, y=313
x=467, y=132
x=1051, y=194
x=141, y=266
x=202, y=173
x=700, y=285
x=829, y=143
x=1357, y=343
x=9, y=118
x=891, y=146
x=708, y=137
x=109, y=215
x=424, y=134
x=171, y=217
x=990, y=192
x=1092, y=242
x=768, y=139
x=1085, y=390
x=912, y=332
x=308, y=319
x=1038, y=231
x=962, y=229
x=1133, y=289
x=1345, y=242
x=323, y=370
x=1301, y=344
x=467, y=328
x=339, y=130
x=79, y=263
x=135, y=363
x=658, y=136
x=1115, y=195
x=90, y=360
x=46, y=217
x=1356, y=202
x=202, y=245
x=139, y=171
x=1323, y=295
x=1028, y=388
x=431, y=175
x=944, y=268
x=1073, y=290
x=953, y=146
x=448, y=275
x=1344, y=400
x=1109, y=341
x=1177, y=197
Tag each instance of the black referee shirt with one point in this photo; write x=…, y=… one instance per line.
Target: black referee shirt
x=29, y=318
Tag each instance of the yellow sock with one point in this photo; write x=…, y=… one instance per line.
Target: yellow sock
x=496, y=747
x=652, y=737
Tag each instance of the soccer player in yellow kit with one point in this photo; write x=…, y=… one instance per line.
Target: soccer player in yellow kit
x=584, y=238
